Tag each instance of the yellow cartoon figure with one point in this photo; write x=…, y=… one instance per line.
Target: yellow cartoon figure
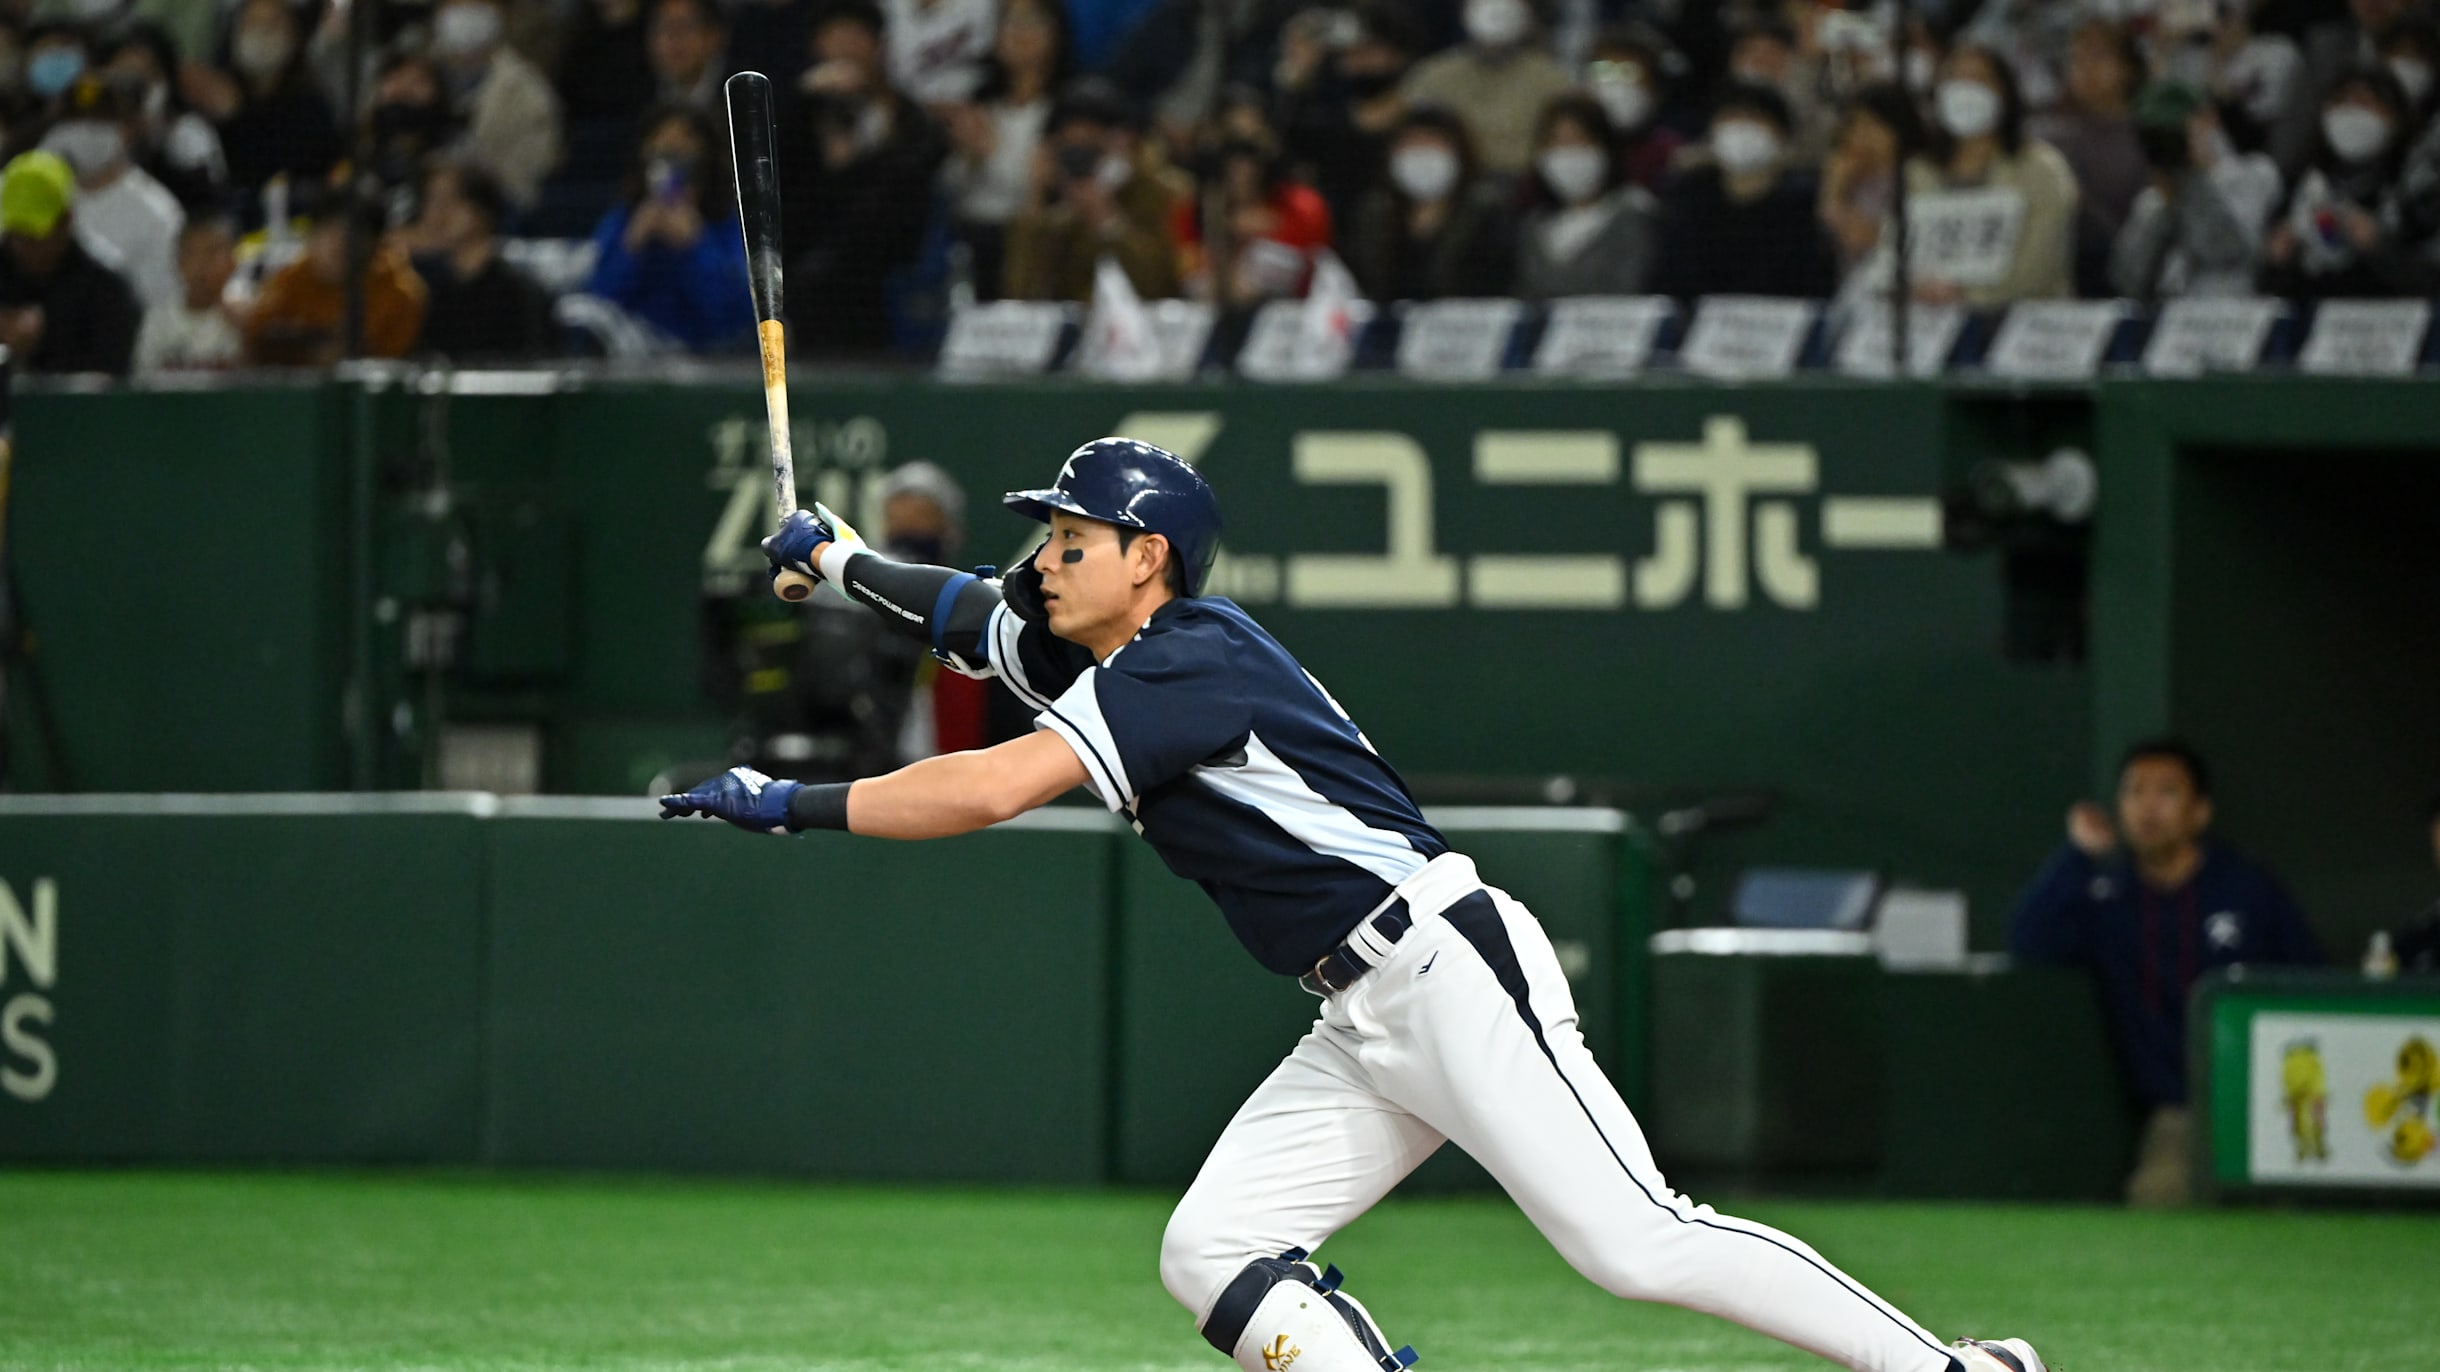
x=2306, y=1090
x=2402, y=1107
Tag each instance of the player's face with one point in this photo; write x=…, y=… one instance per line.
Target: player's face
x=2157, y=807
x=1088, y=581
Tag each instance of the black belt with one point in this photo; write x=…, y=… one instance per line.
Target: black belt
x=1342, y=966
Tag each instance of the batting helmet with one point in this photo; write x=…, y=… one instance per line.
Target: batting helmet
x=1135, y=485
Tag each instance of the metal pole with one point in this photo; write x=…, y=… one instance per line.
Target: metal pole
x=352, y=196
x=1901, y=275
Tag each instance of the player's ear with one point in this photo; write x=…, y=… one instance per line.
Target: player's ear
x=1152, y=558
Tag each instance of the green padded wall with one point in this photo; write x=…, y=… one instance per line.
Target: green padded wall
x=259, y=986
x=686, y=997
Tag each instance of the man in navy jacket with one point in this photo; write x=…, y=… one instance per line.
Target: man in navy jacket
x=2150, y=906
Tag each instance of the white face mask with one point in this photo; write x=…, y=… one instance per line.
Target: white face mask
x=1968, y=109
x=1113, y=172
x=1497, y=23
x=1623, y=96
x=260, y=52
x=88, y=146
x=1575, y=173
x=1742, y=145
x=2356, y=134
x=2415, y=75
x=465, y=30
x=1426, y=171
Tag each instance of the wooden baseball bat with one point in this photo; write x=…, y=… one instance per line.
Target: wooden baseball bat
x=751, y=145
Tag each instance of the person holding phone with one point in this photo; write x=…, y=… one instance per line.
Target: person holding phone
x=670, y=256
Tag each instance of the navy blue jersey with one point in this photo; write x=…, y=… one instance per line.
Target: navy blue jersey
x=2148, y=946
x=1235, y=764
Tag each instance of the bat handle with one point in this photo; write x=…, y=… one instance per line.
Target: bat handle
x=792, y=586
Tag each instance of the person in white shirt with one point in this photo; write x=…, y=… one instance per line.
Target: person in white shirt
x=2199, y=228
x=118, y=204
x=511, y=113
x=195, y=331
x=989, y=173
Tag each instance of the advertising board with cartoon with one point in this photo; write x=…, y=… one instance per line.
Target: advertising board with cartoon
x=2344, y=1100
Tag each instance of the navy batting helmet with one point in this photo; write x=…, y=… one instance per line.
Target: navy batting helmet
x=1135, y=485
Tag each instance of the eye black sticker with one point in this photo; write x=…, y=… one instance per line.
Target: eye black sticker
x=1072, y=556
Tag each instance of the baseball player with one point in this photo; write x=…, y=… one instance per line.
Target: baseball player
x=1444, y=1014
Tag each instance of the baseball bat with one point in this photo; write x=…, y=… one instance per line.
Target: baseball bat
x=751, y=145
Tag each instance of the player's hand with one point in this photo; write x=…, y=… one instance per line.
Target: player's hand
x=2089, y=828
x=797, y=547
x=740, y=795
x=1021, y=589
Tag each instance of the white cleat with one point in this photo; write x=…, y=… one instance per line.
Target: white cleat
x=1999, y=1355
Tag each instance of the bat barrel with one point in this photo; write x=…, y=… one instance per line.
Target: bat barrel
x=754, y=142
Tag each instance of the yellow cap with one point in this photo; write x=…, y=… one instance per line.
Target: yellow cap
x=36, y=188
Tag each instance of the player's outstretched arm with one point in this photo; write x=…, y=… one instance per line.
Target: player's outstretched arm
x=955, y=793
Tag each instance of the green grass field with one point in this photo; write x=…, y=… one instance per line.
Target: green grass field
x=128, y=1271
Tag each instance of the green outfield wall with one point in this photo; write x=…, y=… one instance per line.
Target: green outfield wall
x=1664, y=589
x=452, y=979
x=447, y=978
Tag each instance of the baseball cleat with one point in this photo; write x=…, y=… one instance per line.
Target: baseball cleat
x=1999, y=1355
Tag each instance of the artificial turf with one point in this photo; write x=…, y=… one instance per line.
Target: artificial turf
x=134, y=1271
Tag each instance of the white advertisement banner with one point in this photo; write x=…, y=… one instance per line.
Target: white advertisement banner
x=2344, y=1100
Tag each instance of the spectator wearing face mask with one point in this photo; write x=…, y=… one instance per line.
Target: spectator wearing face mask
x=2017, y=189
x=1496, y=82
x=923, y=520
x=1254, y=231
x=173, y=143
x=2334, y=40
x=1767, y=53
x=2093, y=127
x=271, y=120
x=1627, y=75
x=2198, y=228
x=1878, y=132
x=1097, y=192
x=411, y=122
x=671, y=256
x=1743, y=222
x=507, y=106
x=122, y=214
x=2347, y=228
x=1591, y=230
x=1435, y=228
x=1335, y=93
x=198, y=331
x=868, y=157
x=55, y=55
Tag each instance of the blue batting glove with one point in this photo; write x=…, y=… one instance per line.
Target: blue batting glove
x=797, y=547
x=740, y=795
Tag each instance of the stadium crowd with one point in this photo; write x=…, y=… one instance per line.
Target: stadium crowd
x=182, y=174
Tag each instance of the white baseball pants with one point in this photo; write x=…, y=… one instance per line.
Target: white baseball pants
x=1466, y=1031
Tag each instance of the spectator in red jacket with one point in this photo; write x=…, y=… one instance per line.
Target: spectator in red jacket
x=1253, y=232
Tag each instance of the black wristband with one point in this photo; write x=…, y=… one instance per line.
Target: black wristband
x=822, y=805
